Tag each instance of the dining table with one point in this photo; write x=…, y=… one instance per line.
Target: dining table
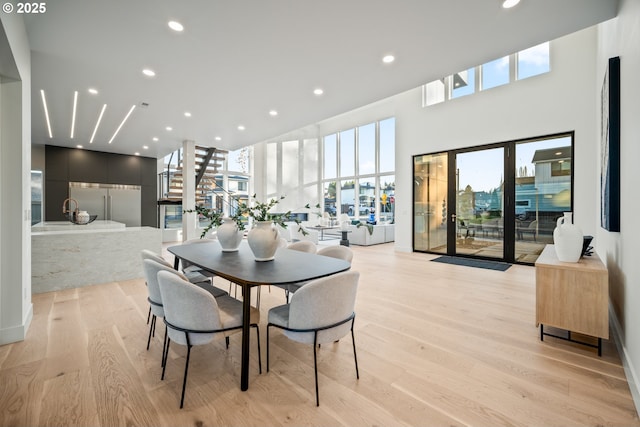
x=240, y=267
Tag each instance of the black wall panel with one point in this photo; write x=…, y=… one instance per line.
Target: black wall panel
x=88, y=166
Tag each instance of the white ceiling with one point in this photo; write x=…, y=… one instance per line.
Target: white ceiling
x=238, y=59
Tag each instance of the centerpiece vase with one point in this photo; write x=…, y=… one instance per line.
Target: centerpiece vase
x=567, y=239
x=229, y=236
x=263, y=240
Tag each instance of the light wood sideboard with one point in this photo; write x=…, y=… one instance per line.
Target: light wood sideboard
x=572, y=296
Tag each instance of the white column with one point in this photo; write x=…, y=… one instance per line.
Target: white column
x=189, y=222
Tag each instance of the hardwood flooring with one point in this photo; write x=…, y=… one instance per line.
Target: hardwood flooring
x=438, y=345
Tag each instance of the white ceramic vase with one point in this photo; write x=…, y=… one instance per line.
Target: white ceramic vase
x=263, y=240
x=82, y=217
x=567, y=239
x=229, y=236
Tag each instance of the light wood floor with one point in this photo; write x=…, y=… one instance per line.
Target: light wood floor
x=437, y=345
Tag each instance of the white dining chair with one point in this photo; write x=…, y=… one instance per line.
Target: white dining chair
x=302, y=246
x=320, y=312
x=194, y=317
x=339, y=252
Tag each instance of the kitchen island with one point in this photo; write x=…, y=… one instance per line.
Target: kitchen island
x=66, y=255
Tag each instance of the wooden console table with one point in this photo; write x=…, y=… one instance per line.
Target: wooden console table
x=572, y=296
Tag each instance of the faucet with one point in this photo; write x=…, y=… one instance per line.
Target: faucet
x=65, y=210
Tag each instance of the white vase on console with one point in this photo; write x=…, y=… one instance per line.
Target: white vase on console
x=229, y=236
x=567, y=239
x=82, y=217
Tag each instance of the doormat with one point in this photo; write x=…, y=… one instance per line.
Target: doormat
x=478, y=263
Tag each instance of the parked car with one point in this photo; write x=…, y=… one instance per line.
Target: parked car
x=364, y=210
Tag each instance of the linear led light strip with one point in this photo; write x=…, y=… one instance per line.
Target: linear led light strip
x=95, y=129
x=121, y=124
x=46, y=112
x=73, y=117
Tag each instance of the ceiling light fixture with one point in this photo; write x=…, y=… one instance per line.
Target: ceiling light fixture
x=176, y=26
x=137, y=153
x=146, y=147
x=73, y=115
x=187, y=114
x=46, y=112
x=273, y=113
x=93, y=91
x=241, y=127
x=318, y=91
x=148, y=72
x=79, y=146
x=155, y=139
x=217, y=138
x=169, y=128
x=507, y=4
x=95, y=129
x=387, y=59
x=121, y=124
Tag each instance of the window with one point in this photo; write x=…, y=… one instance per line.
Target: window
x=347, y=152
x=495, y=73
x=367, y=149
x=388, y=145
x=463, y=83
x=533, y=61
x=330, y=156
x=433, y=93
x=561, y=168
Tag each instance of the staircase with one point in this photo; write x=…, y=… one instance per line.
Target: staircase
x=208, y=160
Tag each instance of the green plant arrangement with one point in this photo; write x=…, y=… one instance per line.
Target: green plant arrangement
x=259, y=211
x=216, y=218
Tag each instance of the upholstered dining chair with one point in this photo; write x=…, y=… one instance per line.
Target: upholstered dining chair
x=339, y=252
x=193, y=271
x=320, y=312
x=194, y=317
x=302, y=246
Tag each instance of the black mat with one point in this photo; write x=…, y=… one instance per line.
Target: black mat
x=479, y=263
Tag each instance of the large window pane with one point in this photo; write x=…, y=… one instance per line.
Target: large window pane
x=463, y=83
x=433, y=93
x=330, y=156
x=533, y=61
x=495, y=73
x=348, y=197
x=272, y=168
x=329, y=196
x=387, y=198
x=310, y=164
x=238, y=161
x=388, y=145
x=290, y=162
x=367, y=149
x=430, y=186
x=347, y=152
x=366, y=200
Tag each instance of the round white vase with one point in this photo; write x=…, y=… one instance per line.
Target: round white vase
x=229, y=236
x=567, y=239
x=263, y=240
x=82, y=217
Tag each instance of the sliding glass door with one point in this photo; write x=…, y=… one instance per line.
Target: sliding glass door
x=497, y=202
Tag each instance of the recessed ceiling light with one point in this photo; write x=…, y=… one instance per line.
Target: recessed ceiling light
x=46, y=112
x=148, y=72
x=176, y=26
x=122, y=123
x=136, y=153
x=509, y=3
x=95, y=129
x=273, y=113
x=73, y=115
x=241, y=127
x=79, y=146
x=169, y=128
x=146, y=147
x=187, y=114
x=388, y=59
x=93, y=91
x=318, y=91
x=217, y=138
x=155, y=139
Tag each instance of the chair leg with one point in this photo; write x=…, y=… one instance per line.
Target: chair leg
x=226, y=341
x=315, y=366
x=259, y=354
x=186, y=369
x=164, y=345
x=151, y=327
x=166, y=356
x=355, y=357
x=268, y=348
x=149, y=315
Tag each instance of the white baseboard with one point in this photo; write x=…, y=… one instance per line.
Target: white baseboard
x=629, y=370
x=17, y=333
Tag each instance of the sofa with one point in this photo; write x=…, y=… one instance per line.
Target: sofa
x=382, y=233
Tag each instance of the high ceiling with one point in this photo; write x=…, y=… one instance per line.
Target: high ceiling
x=237, y=60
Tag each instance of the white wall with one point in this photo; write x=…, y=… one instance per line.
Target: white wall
x=15, y=192
x=621, y=37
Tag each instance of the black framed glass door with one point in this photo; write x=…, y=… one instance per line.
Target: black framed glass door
x=497, y=202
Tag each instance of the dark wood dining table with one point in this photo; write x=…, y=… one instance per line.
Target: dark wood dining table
x=240, y=267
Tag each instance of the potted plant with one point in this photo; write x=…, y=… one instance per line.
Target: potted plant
x=230, y=230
